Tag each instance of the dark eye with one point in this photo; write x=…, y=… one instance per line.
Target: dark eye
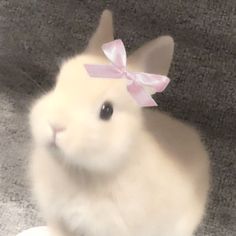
x=106, y=111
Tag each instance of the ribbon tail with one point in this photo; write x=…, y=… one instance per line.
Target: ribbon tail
x=103, y=71
x=140, y=95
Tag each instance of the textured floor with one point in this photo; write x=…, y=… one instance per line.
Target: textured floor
x=36, y=34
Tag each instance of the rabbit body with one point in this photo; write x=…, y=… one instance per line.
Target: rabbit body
x=158, y=192
x=142, y=173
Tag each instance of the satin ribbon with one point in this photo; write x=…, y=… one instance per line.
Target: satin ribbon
x=115, y=52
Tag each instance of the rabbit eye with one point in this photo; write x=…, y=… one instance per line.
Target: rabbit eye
x=106, y=111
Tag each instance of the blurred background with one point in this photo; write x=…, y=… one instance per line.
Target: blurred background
x=36, y=35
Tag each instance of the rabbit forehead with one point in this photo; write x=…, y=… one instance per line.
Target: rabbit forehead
x=74, y=82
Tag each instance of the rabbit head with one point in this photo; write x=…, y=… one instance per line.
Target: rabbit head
x=95, y=123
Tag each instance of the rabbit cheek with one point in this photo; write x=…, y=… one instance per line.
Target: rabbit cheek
x=42, y=135
x=40, y=130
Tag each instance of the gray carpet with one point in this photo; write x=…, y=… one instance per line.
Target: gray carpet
x=36, y=34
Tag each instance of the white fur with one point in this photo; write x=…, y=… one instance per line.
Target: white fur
x=142, y=173
x=36, y=231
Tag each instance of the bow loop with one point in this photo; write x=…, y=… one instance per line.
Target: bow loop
x=158, y=82
x=115, y=52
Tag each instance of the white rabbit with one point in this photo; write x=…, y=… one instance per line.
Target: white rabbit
x=102, y=166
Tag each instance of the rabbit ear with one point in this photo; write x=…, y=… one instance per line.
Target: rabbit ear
x=103, y=33
x=155, y=56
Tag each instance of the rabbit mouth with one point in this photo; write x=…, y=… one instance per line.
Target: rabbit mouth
x=53, y=145
x=53, y=148
x=55, y=151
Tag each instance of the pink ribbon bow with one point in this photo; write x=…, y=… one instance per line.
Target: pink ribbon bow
x=115, y=52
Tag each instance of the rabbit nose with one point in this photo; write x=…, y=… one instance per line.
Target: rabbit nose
x=56, y=128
